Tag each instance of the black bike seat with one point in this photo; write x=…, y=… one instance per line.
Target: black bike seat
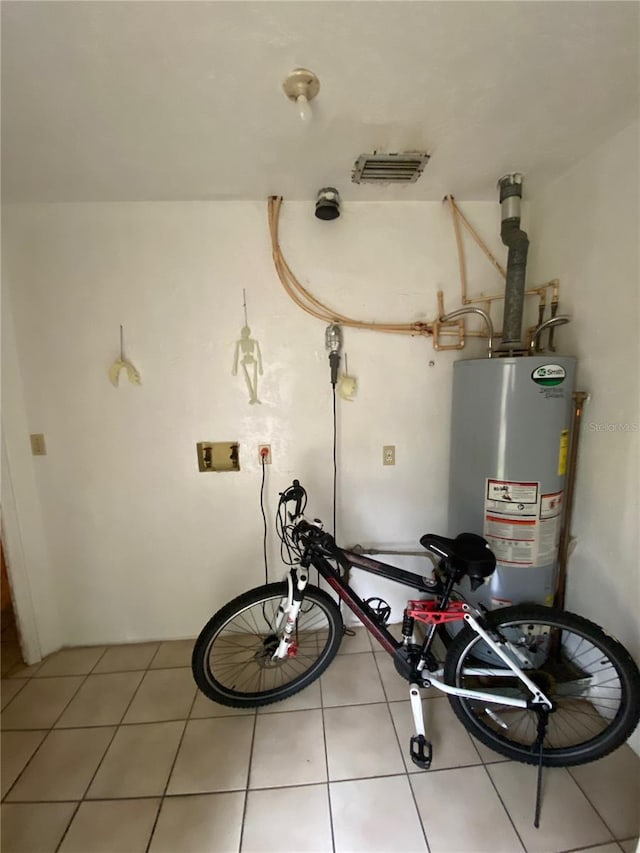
x=467, y=553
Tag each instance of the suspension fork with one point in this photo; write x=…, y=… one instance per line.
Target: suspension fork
x=297, y=581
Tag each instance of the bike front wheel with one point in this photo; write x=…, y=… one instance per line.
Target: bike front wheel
x=233, y=659
x=591, y=679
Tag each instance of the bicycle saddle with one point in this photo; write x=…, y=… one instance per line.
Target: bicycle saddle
x=467, y=554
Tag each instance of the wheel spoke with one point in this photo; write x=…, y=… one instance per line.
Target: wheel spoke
x=240, y=659
x=571, y=662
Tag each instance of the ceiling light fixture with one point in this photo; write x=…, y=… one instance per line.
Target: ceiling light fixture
x=301, y=86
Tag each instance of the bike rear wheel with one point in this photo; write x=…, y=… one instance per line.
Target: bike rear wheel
x=591, y=679
x=233, y=661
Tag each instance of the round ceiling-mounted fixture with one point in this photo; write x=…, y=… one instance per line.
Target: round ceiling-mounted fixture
x=301, y=86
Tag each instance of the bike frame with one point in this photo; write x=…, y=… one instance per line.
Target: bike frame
x=425, y=612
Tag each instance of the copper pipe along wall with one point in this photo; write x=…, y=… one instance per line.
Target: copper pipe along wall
x=579, y=398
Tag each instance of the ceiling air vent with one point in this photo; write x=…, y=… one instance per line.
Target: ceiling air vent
x=376, y=168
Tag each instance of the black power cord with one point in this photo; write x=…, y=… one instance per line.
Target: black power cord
x=264, y=519
x=348, y=631
x=335, y=460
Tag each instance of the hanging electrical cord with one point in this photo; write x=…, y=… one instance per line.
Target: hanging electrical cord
x=264, y=518
x=308, y=302
x=335, y=462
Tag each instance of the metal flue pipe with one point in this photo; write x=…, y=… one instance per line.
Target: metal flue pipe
x=516, y=240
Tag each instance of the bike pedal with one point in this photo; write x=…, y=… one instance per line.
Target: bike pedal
x=420, y=751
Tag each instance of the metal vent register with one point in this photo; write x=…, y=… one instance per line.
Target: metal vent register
x=376, y=168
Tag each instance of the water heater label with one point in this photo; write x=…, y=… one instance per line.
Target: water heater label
x=512, y=521
x=503, y=492
x=563, y=452
x=548, y=375
x=521, y=524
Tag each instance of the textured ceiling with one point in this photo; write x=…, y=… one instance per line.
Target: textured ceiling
x=183, y=100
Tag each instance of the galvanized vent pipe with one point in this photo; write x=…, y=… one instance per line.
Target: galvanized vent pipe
x=516, y=240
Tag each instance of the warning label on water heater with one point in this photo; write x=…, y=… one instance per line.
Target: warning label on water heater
x=511, y=521
x=520, y=524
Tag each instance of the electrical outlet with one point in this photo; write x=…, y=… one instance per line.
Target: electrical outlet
x=38, y=447
x=389, y=454
x=264, y=454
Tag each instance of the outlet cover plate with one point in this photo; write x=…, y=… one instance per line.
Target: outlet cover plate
x=389, y=454
x=38, y=446
x=267, y=456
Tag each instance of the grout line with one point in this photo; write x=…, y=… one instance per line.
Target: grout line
x=104, y=754
x=246, y=788
x=173, y=764
x=508, y=813
x=100, y=762
x=589, y=847
x=24, y=681
x=48, y=729
x=402, y=756
x=326, y=763
x=588, y=799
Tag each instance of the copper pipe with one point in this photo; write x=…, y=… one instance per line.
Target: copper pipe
x=472, y=310
x=477, y=238
x=579, y=398
x=461, y=260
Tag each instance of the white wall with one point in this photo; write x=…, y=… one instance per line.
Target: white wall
x=584, y=229
x=141, y=544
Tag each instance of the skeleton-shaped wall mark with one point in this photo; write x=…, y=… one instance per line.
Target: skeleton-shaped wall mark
x=248, y=354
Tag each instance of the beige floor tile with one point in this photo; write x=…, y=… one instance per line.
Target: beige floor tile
x=280, y=736
x=34, y=827
x=486, y=754
x=10, y=657
x=207, y=822
x=165, y=694
x=40, y=703
x=613, y=786
x=601, y=848
x=116, y=826
x=306, y=699
x=269, y=812
x=568, y=821
x=173, y=653
x=204, y=707
x=16, y=749
x=213, y=756
x=126, y=658
x=631, y=845
x=361, y=742
x=138, y=761
x=63, y=766
x=23, y=670
x=352, y=680
x=9, y=689
x=359, y=643
x=461, y=811
x=78, y=661
x=452, y=746
x=101, y=701
x=396, y=688
x=375, y=816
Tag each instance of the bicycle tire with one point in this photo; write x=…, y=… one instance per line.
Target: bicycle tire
x=234, y=666
x=600, y=695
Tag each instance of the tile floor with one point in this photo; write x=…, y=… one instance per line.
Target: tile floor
x=111, y=749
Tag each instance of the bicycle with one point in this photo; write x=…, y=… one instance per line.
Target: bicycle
x=536, y=684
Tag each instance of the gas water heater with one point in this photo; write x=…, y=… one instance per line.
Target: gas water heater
x=509, y=441
x=510, y=433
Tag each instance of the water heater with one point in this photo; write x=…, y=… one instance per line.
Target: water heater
x=510, y=431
